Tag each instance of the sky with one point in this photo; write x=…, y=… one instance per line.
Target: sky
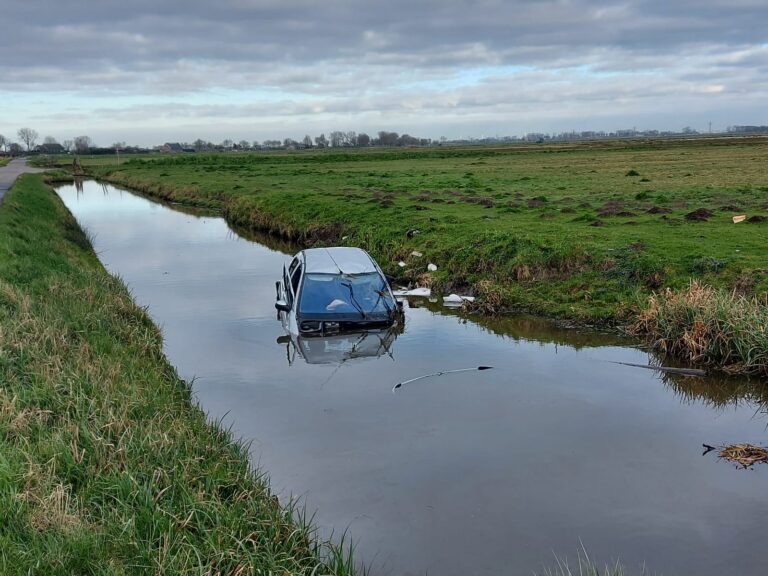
x=150, y=71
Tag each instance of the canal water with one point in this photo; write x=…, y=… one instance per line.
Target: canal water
x=483, y=472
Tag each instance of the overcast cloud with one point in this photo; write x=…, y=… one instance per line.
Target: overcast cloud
x=151, y=71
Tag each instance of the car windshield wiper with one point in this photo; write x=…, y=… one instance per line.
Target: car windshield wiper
x=355, y=303
x=382, y=298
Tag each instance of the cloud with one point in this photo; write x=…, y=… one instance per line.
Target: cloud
x=347, y=61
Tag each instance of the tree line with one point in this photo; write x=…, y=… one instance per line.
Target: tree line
x=335, y=139
x=28, y=143
x=29, y=138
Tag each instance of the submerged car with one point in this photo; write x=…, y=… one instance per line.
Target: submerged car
x=329, y=290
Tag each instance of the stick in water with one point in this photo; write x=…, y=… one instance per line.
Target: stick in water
x=404, y=382
x=681, y=371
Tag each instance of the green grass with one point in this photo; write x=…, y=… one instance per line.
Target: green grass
x=584, y=232
x=4, y=161
x=106, y=464
x=517, y=223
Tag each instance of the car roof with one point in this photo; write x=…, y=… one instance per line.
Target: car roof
x=337, y=260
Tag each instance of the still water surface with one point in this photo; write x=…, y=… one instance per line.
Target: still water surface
x=475, y=473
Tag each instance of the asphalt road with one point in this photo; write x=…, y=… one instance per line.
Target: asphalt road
x=9, y=173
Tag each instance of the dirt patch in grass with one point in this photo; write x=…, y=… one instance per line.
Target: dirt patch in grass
x=484, y=201
x=756, y=219
x=659, y=210
x=699, y=215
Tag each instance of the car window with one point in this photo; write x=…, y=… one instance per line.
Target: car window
x=295, y=277
x=292, y=267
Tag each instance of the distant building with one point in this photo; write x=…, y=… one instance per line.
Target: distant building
x=171, y=148
x=53, y=148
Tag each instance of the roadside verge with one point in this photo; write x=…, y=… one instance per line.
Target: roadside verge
x=106, y=463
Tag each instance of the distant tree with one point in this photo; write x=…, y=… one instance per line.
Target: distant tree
x=3, y=142
x=226, y=144
x=321, y=141
x=336, y=138
x=307, y=142
x=244, y=144
x=15, y=149
x=28, y=136
x=68, y=144
x=388, y=138
x=50, y=140
x=256, y=145
x=407, y=140
x=350, y=138
x=199, y=145
x=363, y=139
x=119, y=146
x=289, y=143
x=83, y=144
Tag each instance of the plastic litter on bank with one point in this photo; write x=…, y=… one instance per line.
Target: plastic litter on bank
x=424, y=292
x=456, y=300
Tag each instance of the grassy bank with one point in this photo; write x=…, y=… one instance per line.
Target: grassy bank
x=707, y=326
x=4, y=161
x=584, y=232
x=106, y=465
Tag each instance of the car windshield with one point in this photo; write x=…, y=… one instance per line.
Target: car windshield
x=362, y=294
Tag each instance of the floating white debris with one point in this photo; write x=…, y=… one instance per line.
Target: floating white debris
x=425, y=292
x=417, y=254
x=401, y=264
x=431, y=267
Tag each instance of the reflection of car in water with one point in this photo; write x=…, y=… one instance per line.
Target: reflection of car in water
x=340, y=348
x=331, y=290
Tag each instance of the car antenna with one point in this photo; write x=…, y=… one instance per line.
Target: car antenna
x=334, y=261
x=404, y=382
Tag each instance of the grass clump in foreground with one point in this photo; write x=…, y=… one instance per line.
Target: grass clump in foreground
x=106, y=466
x=703, y=325
x=585, y=566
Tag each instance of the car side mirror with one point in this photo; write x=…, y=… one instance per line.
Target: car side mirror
x=283, y=306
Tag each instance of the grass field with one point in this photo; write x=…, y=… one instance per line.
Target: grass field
x=584, y=232
x=577, y=231
x=106, y=465
x=4, y=161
